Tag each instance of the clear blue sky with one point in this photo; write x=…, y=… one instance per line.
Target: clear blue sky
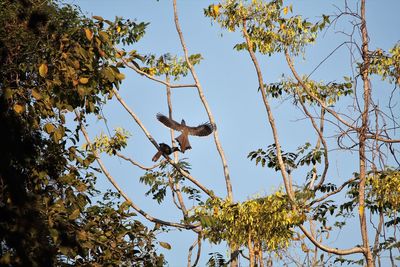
x=230, y=86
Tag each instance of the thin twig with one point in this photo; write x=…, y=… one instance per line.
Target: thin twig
x=306, y=89
x=138, y=164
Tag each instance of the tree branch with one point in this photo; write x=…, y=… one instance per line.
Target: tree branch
x=269, y=112
x=329, y=249
x=137, y=120
x=205, y=104
x=120, y=191
x=131, y=66
x=304, y=86
x=138, y=164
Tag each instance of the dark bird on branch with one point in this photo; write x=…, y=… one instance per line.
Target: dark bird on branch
x=183, y=140
x=164, y=149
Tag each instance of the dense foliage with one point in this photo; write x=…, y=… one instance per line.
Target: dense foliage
x=54, y=61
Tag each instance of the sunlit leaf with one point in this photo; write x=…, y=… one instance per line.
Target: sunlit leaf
x=18, y=108
x=43, y=70
x=83, y=80
x=89, y=34
x=165, y=245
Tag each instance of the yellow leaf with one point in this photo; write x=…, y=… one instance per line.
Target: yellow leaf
x=120, y=76
x=18, y=108
x=304, y=248
x=43, y=70
x=49, y=128
x=83, y=80
x=89, y=34
x=36, y=94
x=216, y=10
x=165, y=245
x=118, y=29
x=285, y=10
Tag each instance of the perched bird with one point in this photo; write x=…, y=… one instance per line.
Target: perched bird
x=164, y=148
x=201, y=130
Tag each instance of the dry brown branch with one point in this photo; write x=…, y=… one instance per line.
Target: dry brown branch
x=174, y=187
x=340, y=188
x=329, y=249
x=321, y=138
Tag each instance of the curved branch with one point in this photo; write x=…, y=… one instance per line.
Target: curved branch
x=196, y=243
x=321, y=138
x=138, y=164
x=205, y=104
x=121, y=192
x=332, y=192
x=271, y=119
x=329, y=249
x=148, y=135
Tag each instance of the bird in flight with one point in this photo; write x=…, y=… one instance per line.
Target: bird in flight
x=164, y=148
x=183, y=140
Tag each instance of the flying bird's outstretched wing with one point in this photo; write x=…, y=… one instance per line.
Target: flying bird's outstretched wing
x=201, y=130
x=183, y=140
x=170, y=123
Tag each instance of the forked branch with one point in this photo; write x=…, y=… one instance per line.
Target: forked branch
x=148, y=135
x=119, y=189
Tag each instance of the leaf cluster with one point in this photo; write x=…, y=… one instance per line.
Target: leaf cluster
x=267, y=23
x=267, y=221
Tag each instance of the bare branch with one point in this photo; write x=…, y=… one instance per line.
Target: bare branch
x=120, y=191
x=205, y=104
x=329, y=249
x=174, y=187
x=332, y=192
x=321, y=138
x=198, y=244
x=269, y=113
x=304, y=86
x=138, y=164
x=148, y=135
x=377, y=138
